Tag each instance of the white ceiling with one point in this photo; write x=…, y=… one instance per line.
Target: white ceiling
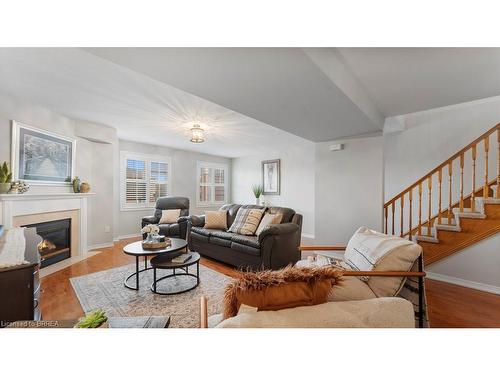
x=406, y=80
x=83, y=86
x=248, y=97
x=281, y=87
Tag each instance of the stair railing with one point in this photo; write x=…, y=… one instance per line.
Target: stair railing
x=435, y=208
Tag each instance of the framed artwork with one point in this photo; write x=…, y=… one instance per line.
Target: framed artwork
x=271, y=177
x=41, y=157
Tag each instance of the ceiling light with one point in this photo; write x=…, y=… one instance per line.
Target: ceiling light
x=197, y=134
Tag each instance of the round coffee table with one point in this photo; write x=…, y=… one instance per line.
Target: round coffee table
x=135, y=249
x=163, y=262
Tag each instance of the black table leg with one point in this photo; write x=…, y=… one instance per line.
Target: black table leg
x=136, y=274
x=154, y=279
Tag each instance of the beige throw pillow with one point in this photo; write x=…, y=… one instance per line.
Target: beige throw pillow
x=216, y=220
x=247, y=220
x=268, y=220
x=169, y=216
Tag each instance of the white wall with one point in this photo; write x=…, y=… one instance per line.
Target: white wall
x=430, y=138
x=297, y=179
x=478, y=266
x=348, y=189
x=89, y=158
x=183, y=182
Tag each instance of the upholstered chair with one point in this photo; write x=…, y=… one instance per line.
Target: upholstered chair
x=177, y=229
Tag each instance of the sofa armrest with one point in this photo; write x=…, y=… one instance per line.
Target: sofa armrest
x=182, y=219
x=197, y=220
x=278, y=229
x=149, y=220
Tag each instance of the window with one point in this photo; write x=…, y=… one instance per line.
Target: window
x=212, y=182
x=144, y=178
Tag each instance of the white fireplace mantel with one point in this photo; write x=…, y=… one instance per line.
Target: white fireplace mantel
x=13, y=205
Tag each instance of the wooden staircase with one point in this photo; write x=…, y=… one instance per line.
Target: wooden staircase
x=436, y=210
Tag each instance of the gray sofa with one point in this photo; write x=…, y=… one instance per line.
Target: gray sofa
x=274, y=248
x=178, y=229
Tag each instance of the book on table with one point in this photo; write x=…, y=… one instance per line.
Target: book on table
x=183, y=258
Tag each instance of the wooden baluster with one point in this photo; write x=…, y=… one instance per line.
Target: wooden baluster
x=449, y=191
x=440, y=175
x=461, y=204
x=410, y=196
x=420, y=209
x=486, y=188
x=385, y=215
x=401, y=207
x=393, y=207
x=498, y=165
x=429, y=186
x=473, y=194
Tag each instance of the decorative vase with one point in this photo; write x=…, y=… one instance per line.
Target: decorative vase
x=4, y=187
x=150, y=238
x=257, y=201
x=76, y=185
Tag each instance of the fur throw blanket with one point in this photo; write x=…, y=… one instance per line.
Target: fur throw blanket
x=281, y=289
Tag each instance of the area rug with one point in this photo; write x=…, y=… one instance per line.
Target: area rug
x=105, y=290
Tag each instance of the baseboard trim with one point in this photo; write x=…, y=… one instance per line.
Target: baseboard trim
x=308, y=235
x=466, y=283
x=126, y=236
x=99, y=246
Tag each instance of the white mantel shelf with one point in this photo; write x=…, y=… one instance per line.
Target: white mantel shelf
x=28, y=196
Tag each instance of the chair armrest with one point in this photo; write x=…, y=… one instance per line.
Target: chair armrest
x=197, y=220
x=182, y=219
x=384, y=273
x=278, y=229
x=322, y=248
x=203, y=312
x=149, y=220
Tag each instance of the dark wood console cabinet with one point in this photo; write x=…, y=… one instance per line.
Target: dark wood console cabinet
x=20, y=286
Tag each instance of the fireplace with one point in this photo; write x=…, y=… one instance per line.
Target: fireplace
x=56, y=240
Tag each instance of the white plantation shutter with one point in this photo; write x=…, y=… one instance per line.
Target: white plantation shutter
x=212, y=184
x=135, y=189
x=158, y=181
x=144, y=180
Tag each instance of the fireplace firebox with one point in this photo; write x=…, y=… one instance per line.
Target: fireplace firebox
x=56, y=240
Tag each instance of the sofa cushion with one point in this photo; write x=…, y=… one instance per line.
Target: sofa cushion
x=222, y=234
x=247, y=220
x=351, y=288
x=170, y=216
x=245, y=240
x=245, y=249
x=169, y=229
x=286, y=212
x=373, y=313
x=276, y=290
x=369, y=250
x=199, y=237
x=203, y=231
x=216, y=220
x=219, y=241
x=232, y=210
x=268, y=220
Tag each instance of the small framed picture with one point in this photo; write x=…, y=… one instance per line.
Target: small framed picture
x=41, y=157
x=271, y=177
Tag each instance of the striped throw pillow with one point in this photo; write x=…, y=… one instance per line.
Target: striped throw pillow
x=247, y=221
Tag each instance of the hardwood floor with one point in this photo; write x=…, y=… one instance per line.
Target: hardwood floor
x=449, y=305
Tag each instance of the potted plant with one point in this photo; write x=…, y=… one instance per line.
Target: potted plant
x=5, y=178
x=257, y=191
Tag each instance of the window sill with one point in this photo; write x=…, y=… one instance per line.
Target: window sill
x=124, y=209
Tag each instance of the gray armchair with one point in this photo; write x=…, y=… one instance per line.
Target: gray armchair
x=178, y=229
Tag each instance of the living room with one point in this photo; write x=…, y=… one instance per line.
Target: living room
x=168, y=185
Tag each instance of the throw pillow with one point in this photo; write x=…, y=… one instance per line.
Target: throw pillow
x=282, y=289
x=216, y=220
x=369, y=250
x=169, y=216
x=247, y=220
x=268, y=220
